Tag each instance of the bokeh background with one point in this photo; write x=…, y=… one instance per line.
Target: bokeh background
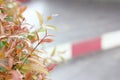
x=79, y=20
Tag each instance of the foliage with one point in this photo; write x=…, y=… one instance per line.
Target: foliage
x=19, y=60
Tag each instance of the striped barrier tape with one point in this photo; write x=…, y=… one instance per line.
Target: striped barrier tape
x=23, y=0
x=70, y=50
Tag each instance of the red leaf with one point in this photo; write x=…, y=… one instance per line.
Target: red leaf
x=51, y=67
x=47, y=40
x=28, y=76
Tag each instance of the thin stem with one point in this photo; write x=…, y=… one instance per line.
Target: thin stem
x=26, y=57
x=40, y=42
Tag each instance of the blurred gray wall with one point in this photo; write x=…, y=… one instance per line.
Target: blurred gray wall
x=107, y=0
x=101, y=1
x=111, y=1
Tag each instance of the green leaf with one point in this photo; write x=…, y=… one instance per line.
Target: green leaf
x=2, y=69
x=18, y=46
x=40, y=18
x=41, y=30
x=9, y=18
x=24, y=59
x=30, y=37
x=2, y=44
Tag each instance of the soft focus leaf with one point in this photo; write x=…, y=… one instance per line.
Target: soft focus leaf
x=18, y=46
x=51, y=27
x=51, y=67
x=38, y=79
x=38, y=68
x=9, y=18
x=48, y=40
x=28, y=76
x=9, y=52
x=53, y=52
x=40, y=18
x=62, y=58
x=4, y=66
x=41, y=30
x=22, y=9
x=2, y=69
x=37, y=36
x=36, y=61
x=16, y=75
x=10, y=5
x=2, y=30
x=26, y=68
x=10, y=62
x=49, y=17
x=2, y=55
x=2, y=16
x=24, y=59
x=2, y=44
x=30, y=37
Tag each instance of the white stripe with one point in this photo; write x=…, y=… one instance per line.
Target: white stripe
x=66, y=48
x=110, y=40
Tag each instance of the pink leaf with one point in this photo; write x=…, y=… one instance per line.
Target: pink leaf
x=16, y=75
x=38, y=79
x=47, y=40
x=10, y=62
x=2, y=16
x=9, y=52
x=51, y=67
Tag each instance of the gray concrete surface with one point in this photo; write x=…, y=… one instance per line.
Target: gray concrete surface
x=79, y=21
x=104, y=65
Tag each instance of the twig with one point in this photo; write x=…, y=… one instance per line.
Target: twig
x=26, y=57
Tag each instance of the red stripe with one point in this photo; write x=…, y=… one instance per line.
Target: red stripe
x=23, y=0
x=82, y=48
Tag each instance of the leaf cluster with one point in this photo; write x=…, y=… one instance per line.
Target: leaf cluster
x=19, y=60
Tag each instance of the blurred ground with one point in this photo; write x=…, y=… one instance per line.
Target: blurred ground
x=101, y=66
x=80, y=21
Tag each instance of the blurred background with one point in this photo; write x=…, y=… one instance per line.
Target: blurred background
x=79, y=20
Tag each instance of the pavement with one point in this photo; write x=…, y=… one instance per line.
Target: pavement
x=102, y=65
x=79, y=20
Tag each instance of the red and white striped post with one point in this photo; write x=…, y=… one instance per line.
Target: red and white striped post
x=103, y=42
